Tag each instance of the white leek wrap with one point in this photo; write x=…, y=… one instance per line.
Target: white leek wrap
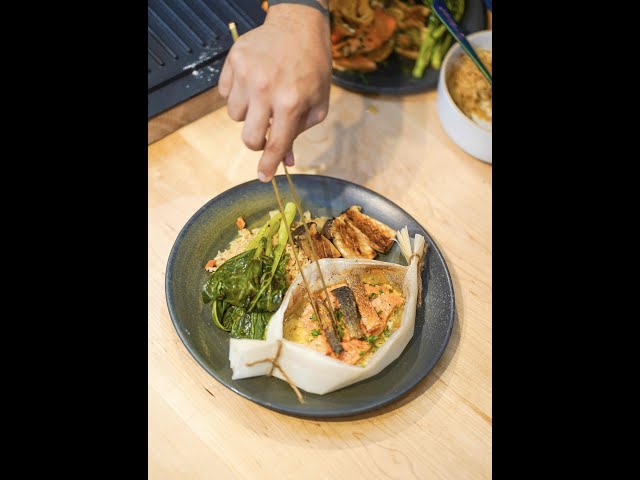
x=310, y=370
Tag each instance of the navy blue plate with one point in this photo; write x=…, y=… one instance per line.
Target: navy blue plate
x=212, y=228
x=394, y=78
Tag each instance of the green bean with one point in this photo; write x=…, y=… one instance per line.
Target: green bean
x=435, y=39
x=439, y=52
x=426, y=48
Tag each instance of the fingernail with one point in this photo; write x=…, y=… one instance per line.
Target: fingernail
x=289, y=161
x=262, y=177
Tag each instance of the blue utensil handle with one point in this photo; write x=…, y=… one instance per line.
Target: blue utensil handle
x=488, y=4
x=443, y=13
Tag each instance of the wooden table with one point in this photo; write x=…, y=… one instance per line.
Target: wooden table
x=442, y=429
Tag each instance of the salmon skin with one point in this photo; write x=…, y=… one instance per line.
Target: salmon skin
x=349, y=310
x=372, y=323
x=328, y=327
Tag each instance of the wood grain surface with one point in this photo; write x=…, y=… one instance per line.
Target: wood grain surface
x=182, y=114
x=198, y=429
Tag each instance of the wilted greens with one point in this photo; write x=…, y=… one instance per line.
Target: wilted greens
x=248, y=288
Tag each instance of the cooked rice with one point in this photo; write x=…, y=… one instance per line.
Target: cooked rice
x=236, y=247
x=240, y=243
x=292, y=268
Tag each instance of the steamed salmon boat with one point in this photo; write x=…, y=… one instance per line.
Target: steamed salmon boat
x=374, y=306
x=367, y=313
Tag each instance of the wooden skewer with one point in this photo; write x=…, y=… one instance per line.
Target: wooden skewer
x=314, y=255
x=295, y=252
x=296, y=200
x=234, y=31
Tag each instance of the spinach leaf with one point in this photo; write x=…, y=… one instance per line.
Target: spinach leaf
x=271, y=297
x=246, y=289
x=238, y=279
x=215, y=286
x=246, y=325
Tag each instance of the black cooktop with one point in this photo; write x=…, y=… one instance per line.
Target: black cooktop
x=187, y=41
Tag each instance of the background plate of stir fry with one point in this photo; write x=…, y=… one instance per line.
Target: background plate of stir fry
x=394, y=46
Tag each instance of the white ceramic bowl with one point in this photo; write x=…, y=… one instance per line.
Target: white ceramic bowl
x=467, y=134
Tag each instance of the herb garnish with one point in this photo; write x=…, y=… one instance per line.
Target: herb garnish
x=340, y=331
x=315, y=332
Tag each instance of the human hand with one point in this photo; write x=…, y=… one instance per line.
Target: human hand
x=276, y=78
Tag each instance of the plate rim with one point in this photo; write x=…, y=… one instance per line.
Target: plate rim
x=298, y=411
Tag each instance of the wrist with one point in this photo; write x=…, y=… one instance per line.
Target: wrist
x=309, y=10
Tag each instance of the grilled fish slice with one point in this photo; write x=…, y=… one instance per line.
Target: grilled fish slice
x=323, y=247
x=379, y=235
x=349, y=310
x=371, y=322
x=351, y=242
x=328, y=327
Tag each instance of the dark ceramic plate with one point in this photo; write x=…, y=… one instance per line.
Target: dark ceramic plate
x=394, y=77
x=213, y=227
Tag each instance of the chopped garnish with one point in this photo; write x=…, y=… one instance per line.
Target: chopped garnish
x=372, y=339
x=314, y=317
x=380, y=292
x=209, y=266
x=372, y=296
x=240, y=223
x=340, y=330
x=315, y=332
x=339, y=314
x=379, y=312
x=362, y=353
x=386, y=332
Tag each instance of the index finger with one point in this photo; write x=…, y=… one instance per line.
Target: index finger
x=284, y=129
x=226, y=79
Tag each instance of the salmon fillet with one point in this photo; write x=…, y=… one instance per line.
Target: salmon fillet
x=384, y=303
x=353, y=350
x=372, y=324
